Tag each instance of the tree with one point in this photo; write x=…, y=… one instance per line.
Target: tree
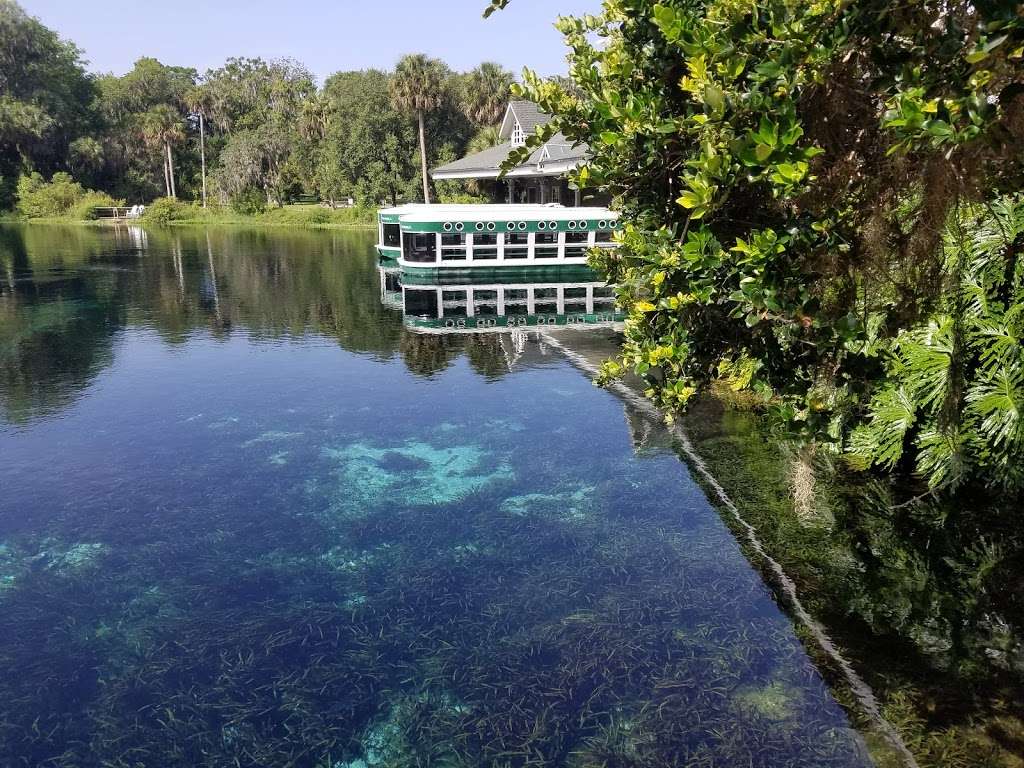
x=162, y=127
x=130, y=151
x=45, y=96
x=485, y=93
x=418, y=86
x=370, y=142
x=197, y=100
x=791, y=178
x=483, y=139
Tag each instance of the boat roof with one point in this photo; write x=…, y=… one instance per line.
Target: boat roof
x=423, y=213
x=459, y=207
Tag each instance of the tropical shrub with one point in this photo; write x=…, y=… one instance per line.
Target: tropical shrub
x=816, y=195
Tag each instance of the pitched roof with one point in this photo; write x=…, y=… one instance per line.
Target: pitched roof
x=528, y=114
x=487, y=164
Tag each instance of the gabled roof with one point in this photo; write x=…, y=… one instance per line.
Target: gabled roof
x=557, y=156
x=526, y=113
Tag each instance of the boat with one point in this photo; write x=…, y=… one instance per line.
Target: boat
x=389, y=233
x=497, y=239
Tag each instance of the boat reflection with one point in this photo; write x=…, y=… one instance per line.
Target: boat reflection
x=486, y=305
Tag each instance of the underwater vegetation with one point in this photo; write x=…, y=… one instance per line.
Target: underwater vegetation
x=541, y=624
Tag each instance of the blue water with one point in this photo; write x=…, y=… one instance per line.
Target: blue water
x=249, y=518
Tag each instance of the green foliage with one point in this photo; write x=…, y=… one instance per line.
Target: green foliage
x=786, y=172
x=369, y=148
x=249, y=202
x=45, y=96
x=954, y=393
x=62, y=196
x=485, y=93
x=165, y=210
x=85, y=207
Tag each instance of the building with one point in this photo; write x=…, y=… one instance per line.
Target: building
x=541, y=179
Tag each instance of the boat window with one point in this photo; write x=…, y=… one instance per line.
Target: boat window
x=545, y=245
x=453, y=247
x=604, y=292
x=575, y=292
x=420, y=246
x=485, y=246
x=575, y=244
x=516, y=245
x=603, y=236
x=516, y=296
x=545, y=293
x=422, y=303
x=392, y=235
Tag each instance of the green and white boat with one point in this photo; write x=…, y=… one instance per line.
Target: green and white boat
x=493, y=239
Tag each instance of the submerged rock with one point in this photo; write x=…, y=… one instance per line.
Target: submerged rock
x=50, y=555
x=573, y=505
x=411, y=473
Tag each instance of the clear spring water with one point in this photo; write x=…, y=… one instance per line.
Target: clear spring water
x=248, y=518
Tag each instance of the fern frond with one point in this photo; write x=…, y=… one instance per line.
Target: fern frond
x=881, y=440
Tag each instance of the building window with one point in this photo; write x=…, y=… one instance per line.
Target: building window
x=518, y=137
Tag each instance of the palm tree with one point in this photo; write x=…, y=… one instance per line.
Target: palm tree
x=197, y=101
x=483, y=139
x=161, y=127
x=418, y=86
x=485, y=93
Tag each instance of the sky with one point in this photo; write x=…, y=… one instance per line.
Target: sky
x=325, y=35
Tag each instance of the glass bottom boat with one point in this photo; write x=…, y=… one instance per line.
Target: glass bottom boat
x=496, y=240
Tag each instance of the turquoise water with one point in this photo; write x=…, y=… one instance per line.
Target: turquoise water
x=249, y=517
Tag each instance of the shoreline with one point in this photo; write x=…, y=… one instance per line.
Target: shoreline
x=240, y=222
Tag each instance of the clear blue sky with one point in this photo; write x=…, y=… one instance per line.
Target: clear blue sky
x=326, y=36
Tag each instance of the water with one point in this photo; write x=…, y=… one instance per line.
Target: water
x=249, y=517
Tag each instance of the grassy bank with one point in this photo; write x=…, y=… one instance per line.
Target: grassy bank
x=183, y=214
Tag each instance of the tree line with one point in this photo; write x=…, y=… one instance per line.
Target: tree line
x=251, y=133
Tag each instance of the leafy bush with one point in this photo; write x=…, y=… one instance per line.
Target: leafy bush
x=38, y=198
x=84, y=209
x=249, y=202
x=164, y=210
x=61, y=196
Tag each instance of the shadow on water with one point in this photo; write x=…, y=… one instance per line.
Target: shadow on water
x=251, y=518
